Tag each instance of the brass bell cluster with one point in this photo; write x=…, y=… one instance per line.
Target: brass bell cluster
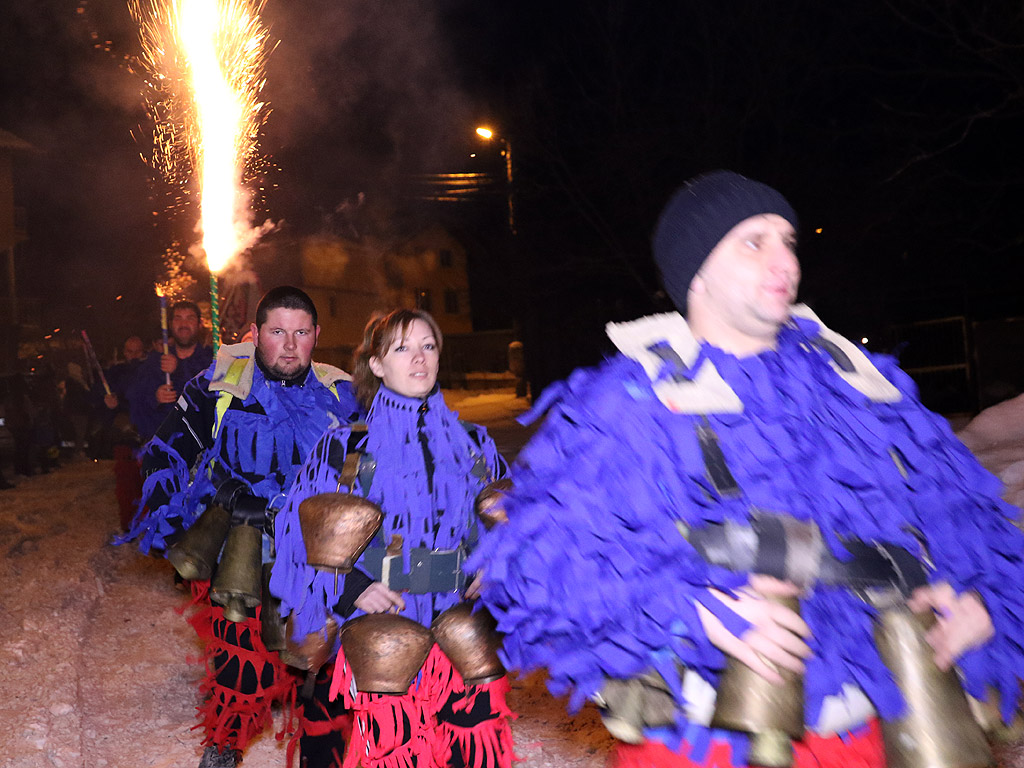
x=231, y=555
x=937, y=730
x=386, y=651
x=336, y=528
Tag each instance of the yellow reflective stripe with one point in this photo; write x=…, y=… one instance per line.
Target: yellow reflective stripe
x=233, y=376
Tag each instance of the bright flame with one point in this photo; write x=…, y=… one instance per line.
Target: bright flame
x=486, y=133
x=206, y=60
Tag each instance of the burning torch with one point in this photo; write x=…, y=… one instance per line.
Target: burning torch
x=206, y=59
x=163, y=328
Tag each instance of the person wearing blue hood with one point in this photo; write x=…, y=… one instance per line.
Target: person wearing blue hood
x=236, y=438
x=732, y=457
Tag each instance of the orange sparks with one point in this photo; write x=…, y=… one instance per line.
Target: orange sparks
x=205, y=60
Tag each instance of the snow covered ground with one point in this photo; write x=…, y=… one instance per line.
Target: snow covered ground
x=100, y=669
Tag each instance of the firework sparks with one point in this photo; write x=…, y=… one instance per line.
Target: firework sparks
x=205, y=61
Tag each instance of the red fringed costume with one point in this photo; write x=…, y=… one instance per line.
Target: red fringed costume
x=243, y=679
x=437, y=723
x=863, y=750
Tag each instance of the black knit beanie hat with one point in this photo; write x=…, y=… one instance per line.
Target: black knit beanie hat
x=701, y=213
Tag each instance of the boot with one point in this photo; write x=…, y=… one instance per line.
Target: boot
x=214, y=758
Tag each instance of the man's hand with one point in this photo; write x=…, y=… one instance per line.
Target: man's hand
x=168, y=363
x=962, y=621
x=776, y=635
x=377, y=598
x=473, y=590
x=165, y=393
x=110, y=400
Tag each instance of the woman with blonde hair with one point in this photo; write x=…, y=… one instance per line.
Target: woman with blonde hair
x=428, y=468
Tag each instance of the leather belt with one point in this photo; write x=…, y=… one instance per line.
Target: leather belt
x=430, y=570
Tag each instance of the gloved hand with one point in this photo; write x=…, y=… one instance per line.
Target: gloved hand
x=245, y=508
x=251, y=510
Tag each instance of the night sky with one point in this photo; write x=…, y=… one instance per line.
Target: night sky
x=893, y=127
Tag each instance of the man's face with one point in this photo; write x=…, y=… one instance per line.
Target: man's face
x=133, y=348
x=184, y=328
x=284, y=343
x=748, y=282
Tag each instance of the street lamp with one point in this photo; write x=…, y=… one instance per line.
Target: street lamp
x=487, y=134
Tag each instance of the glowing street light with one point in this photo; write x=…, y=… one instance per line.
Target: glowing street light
x=487, y=134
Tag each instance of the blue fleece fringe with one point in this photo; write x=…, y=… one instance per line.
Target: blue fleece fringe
x=437, y=516
x=592, y=579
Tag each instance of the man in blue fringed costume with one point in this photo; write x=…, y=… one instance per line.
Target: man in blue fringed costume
x=424, y=468
x=237, y=437
x=643, y=548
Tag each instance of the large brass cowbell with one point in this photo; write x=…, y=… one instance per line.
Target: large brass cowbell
x=237, y=584
x=938, y=729
x=773, y=715
x=194, y=555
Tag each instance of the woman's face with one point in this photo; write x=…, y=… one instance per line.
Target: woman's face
x=409, y=365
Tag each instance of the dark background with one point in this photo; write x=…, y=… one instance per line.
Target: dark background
x=894, y=128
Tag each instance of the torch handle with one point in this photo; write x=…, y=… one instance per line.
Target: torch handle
x=163, y=331
x=91, y=354
x=215, y=312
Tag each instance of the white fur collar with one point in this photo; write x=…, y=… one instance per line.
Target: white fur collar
x=708, y=392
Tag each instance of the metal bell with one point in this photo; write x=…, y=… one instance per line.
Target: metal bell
x=938, y=729
x=313, y=651
x=194, y=555
x=385, y=651
x=271, y=625
x=989, y=717
x=470, y=639
x=237, y=584
x=772, y=714
x=336, y=528
x=490, y=503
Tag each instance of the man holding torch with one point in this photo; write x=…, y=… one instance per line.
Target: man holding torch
x=245, y=426
x=742, y=501
x=162, y=377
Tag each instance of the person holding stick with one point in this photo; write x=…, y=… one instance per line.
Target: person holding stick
x=161, y=377
x=122, y=434
x=739, y=502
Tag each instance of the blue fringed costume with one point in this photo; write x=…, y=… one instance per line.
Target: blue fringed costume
x=429, y=467
x=264, y=430
x=592, y=579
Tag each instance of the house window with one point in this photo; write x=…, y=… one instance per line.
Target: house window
x=446, y=257
x=423, y=299
x=451, y=301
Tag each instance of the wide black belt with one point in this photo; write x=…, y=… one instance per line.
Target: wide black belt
x=780, y=546
x=430, y=570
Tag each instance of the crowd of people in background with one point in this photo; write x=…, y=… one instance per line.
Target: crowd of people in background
x=56, y=414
